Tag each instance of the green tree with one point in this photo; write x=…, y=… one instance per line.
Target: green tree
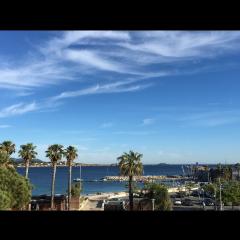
x=76, y=190
x=237, y=166
x=210, y=189
x=27, y=153
x=4, y=158
x=15, y=190
x=227, y=173
x=130, y=165
x=188, y=187
x=159, y=192
x=55, y=153
x=70, y=154
x=231, y=193
x=8, y=146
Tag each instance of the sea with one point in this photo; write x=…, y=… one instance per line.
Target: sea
x=40, y=177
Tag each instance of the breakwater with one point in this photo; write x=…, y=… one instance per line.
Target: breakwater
x=144, y=178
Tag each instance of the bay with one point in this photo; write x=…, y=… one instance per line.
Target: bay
x=40, y=177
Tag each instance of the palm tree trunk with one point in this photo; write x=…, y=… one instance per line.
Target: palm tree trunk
x=130, y=193
x=69, y=186
x=26, y=176
x=53, y=185
x=27, y=167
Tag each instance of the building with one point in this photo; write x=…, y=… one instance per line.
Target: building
x=43, y=203
x=235, y=173
x=201, y=173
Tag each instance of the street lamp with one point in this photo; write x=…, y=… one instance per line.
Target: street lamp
x=153, y=206
x=215, y=196
x=220, y=194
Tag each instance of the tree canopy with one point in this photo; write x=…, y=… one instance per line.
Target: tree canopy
x=130, y=164
x=159, y=192
x=76, y=189
x=15, y=190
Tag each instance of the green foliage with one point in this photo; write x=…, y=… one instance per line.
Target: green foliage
x=15, y=190
x=27, y=152
x=5, y=200
x=8, y=146
x=135, y=187
x=55, y=153
x=76, y=190
x=231, y=192
x=130, y=164
x=4, y=158
x=210, y=189
x=189, y=186
x=159, y=192
x=70, y=153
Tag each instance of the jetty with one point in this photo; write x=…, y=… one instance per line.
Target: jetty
x=145, y=178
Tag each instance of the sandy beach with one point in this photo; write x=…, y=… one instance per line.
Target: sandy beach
x=93, y=202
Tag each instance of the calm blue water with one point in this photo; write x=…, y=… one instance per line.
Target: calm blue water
x=40, y=177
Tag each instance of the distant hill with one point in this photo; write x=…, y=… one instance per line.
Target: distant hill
x=20, y=160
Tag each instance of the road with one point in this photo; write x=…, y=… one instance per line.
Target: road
x=198, y=207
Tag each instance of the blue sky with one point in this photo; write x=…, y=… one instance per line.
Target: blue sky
x=171, y=95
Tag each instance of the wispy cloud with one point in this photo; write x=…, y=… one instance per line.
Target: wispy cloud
x=33, y=74
x=148, y=121
x=17, y=109
x=116, y=87
x=106, y=125
x=69, y=55
x=129, y=59
x=212, y=119
x=22, y=108
x=137, y=133
x=5, y=126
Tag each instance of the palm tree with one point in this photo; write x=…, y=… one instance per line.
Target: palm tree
x=54, y=153
x=8, y=146
x=130, y=165
x=27, y=153
x=70, y=154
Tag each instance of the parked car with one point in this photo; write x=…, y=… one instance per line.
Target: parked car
x=195, y=193
x=187, y=202
x=209, y=202
x=180, y=194
x=177, y=202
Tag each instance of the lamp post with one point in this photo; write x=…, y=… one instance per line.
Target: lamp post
x=215, y=196
x=220, y=194
x=153, y=205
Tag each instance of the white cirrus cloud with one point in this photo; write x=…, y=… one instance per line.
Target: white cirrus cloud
x=68, y=55
x=18, y=109
x=116, y=87
x=128, y=58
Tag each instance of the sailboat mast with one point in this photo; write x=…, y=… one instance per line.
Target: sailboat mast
x=80, y=175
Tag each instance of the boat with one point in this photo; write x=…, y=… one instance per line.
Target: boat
x=77, y=180
x=80, y=178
